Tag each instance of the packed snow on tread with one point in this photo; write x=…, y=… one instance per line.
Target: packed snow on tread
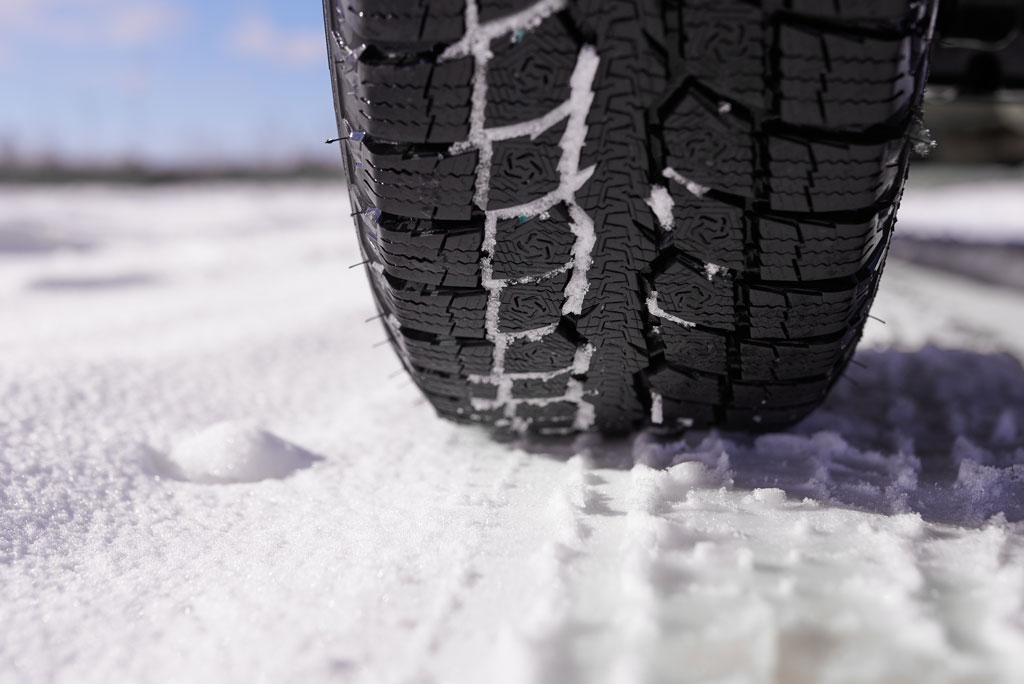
x=212, y=471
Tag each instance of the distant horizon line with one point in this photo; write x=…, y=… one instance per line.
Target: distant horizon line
x=140, y=171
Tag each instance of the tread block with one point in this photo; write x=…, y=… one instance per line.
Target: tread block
x=525, y=306
x=807, y=249
x=791, y=314
x=536, y=388
x=868, y=13
x=421, y=102
x=533, y=246
x=495, y=9
x=426, y=252
x=766, y=418
x=481, y=390
x=550, y=353
x=830, y=176
x=844, y=81
x=529, y=73
x=446, y=384
x=525, y=169
x=723, y=47
x=769, y=362
x=460, y=409
x=778, y=395
x=712, y=148
x=681, y=385
x=707, y=229
x=413, y=181
x=552, y=416
x=405, y=24
x=447, y=355
x=688, y=413
x=692, y=296
x=435, y=311
x=694, y=349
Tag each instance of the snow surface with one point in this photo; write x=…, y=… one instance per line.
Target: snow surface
x=159, y=344
x=936, y=210
x=232, y=451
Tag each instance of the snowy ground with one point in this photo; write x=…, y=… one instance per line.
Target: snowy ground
x=209, y=472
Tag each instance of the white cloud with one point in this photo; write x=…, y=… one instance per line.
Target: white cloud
x=115, y=23
x=15, y=12
x=257, y=36
x=136, y=24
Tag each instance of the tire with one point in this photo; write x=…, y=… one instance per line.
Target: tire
x=600, y=214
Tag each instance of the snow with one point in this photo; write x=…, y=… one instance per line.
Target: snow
x=655, y=310
x=206, y=474
x=657, y=409
x=233, y=451
x=661, y=204
x=692, y=187
x=479, y=35
x=711, y=270
x=988, y=211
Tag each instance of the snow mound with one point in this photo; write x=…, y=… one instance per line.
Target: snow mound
x=235, y=451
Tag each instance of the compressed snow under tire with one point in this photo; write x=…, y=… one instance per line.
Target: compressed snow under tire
x=604, y=213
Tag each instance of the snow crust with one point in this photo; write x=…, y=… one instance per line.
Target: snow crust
x=879, y=540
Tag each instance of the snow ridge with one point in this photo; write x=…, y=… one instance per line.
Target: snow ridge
x=476, y=42
x=537, y=646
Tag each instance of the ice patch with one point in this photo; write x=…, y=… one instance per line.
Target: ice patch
x=694, y=188
x=234, y=451
x=661, y=204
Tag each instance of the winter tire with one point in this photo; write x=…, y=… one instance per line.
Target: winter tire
x=607, y=213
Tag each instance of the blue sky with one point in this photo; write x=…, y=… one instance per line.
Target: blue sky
x=164, y=81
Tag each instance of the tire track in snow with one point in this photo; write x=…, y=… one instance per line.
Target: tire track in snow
x=699, y=581
x=480, y=489
x=975, y=584
x=649, y=575
x=537, y=649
